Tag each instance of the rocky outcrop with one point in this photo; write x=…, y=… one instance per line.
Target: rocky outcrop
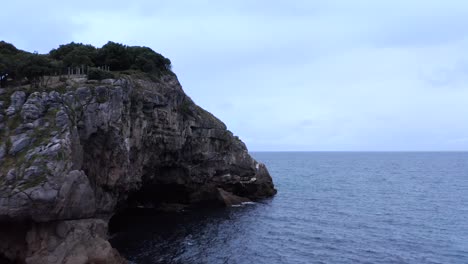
x=74, y=241
x=74, y=155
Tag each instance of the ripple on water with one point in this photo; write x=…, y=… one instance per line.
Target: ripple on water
x=331, y=208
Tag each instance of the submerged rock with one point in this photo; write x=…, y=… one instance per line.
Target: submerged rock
x=77, y=158
x=230, y=199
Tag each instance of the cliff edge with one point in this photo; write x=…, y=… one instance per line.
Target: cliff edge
x=78, y=152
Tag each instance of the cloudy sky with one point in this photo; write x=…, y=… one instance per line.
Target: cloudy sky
x=290, y=74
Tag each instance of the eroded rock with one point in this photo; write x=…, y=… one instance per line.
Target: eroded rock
x=17, y=100
x=229, y=199
x=2, y=151
x=70, y=242
x=33, y=108
x=18, y=143
x=90, y=152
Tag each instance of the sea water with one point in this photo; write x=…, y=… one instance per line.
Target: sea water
x=331, y=207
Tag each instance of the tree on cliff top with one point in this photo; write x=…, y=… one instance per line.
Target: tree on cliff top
x=117, y=56
x=147, y=60
x=21, y=65
x=34, y=67
x=7, y=48
x=114, y=55
x=75, y=54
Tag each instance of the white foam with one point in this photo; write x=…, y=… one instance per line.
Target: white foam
x=243, y=204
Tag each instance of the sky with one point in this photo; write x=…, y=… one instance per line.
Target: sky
x=290, y=75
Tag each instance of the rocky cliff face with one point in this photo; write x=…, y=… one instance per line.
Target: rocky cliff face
x=73, y=155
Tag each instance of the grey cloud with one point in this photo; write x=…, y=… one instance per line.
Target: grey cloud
x=291, y=75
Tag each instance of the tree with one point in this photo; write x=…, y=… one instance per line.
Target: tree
x=33, y=67
x=9, y=60
x=75, y=54
x=96, y=74
x=5, y=64
x=21, y=65
x=114, y=55
x=147, y=60
x=3, y=71
x=7, y=48
x=79, y=56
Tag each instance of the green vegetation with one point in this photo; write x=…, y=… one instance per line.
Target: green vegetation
x=40, y=136
x=116, y=56
x=12, y=161
x=185, y=108
x=8, y=145
x=74, y=54
x=33, y=182
x=97, y=74
x=30, y=68
x=14, y=121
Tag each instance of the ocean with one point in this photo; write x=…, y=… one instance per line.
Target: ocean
x=331, y=207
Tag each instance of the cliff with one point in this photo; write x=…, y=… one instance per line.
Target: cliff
x=74, y=154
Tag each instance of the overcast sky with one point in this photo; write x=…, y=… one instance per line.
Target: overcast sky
x=290, y=74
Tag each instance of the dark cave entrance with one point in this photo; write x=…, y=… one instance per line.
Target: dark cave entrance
x=152, y=199
x=4, y=260
x=153, y=195
x=166, y=185
x=13, y=244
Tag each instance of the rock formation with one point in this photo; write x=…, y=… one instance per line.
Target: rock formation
x=73, y=155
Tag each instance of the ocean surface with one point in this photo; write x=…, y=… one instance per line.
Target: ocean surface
x=331, y=207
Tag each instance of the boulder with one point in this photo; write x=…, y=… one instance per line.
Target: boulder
x=17, y=100
x=229, y=199
x=33, y=108
x=18, y=143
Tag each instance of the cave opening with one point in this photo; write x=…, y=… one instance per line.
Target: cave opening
x=4, y=260
x=152, y=199
x=166, y=185
x=153, y=195
x=96, y=154
x=13, y=242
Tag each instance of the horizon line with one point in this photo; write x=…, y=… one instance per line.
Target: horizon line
x=358, y=150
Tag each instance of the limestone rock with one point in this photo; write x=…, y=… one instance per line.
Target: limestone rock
x=229, y=199
x=91, y=151
x=76, y=197
x=11, y=175
x=70, y=242
x=19, y=142
x=33, y=108
x=61, y=119
x=2, y=151
x=17, y=100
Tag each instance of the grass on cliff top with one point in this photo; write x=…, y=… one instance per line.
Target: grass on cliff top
x=154, y=76
x=60, y=83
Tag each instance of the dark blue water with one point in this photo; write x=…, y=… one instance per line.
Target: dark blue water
x=330, y=208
